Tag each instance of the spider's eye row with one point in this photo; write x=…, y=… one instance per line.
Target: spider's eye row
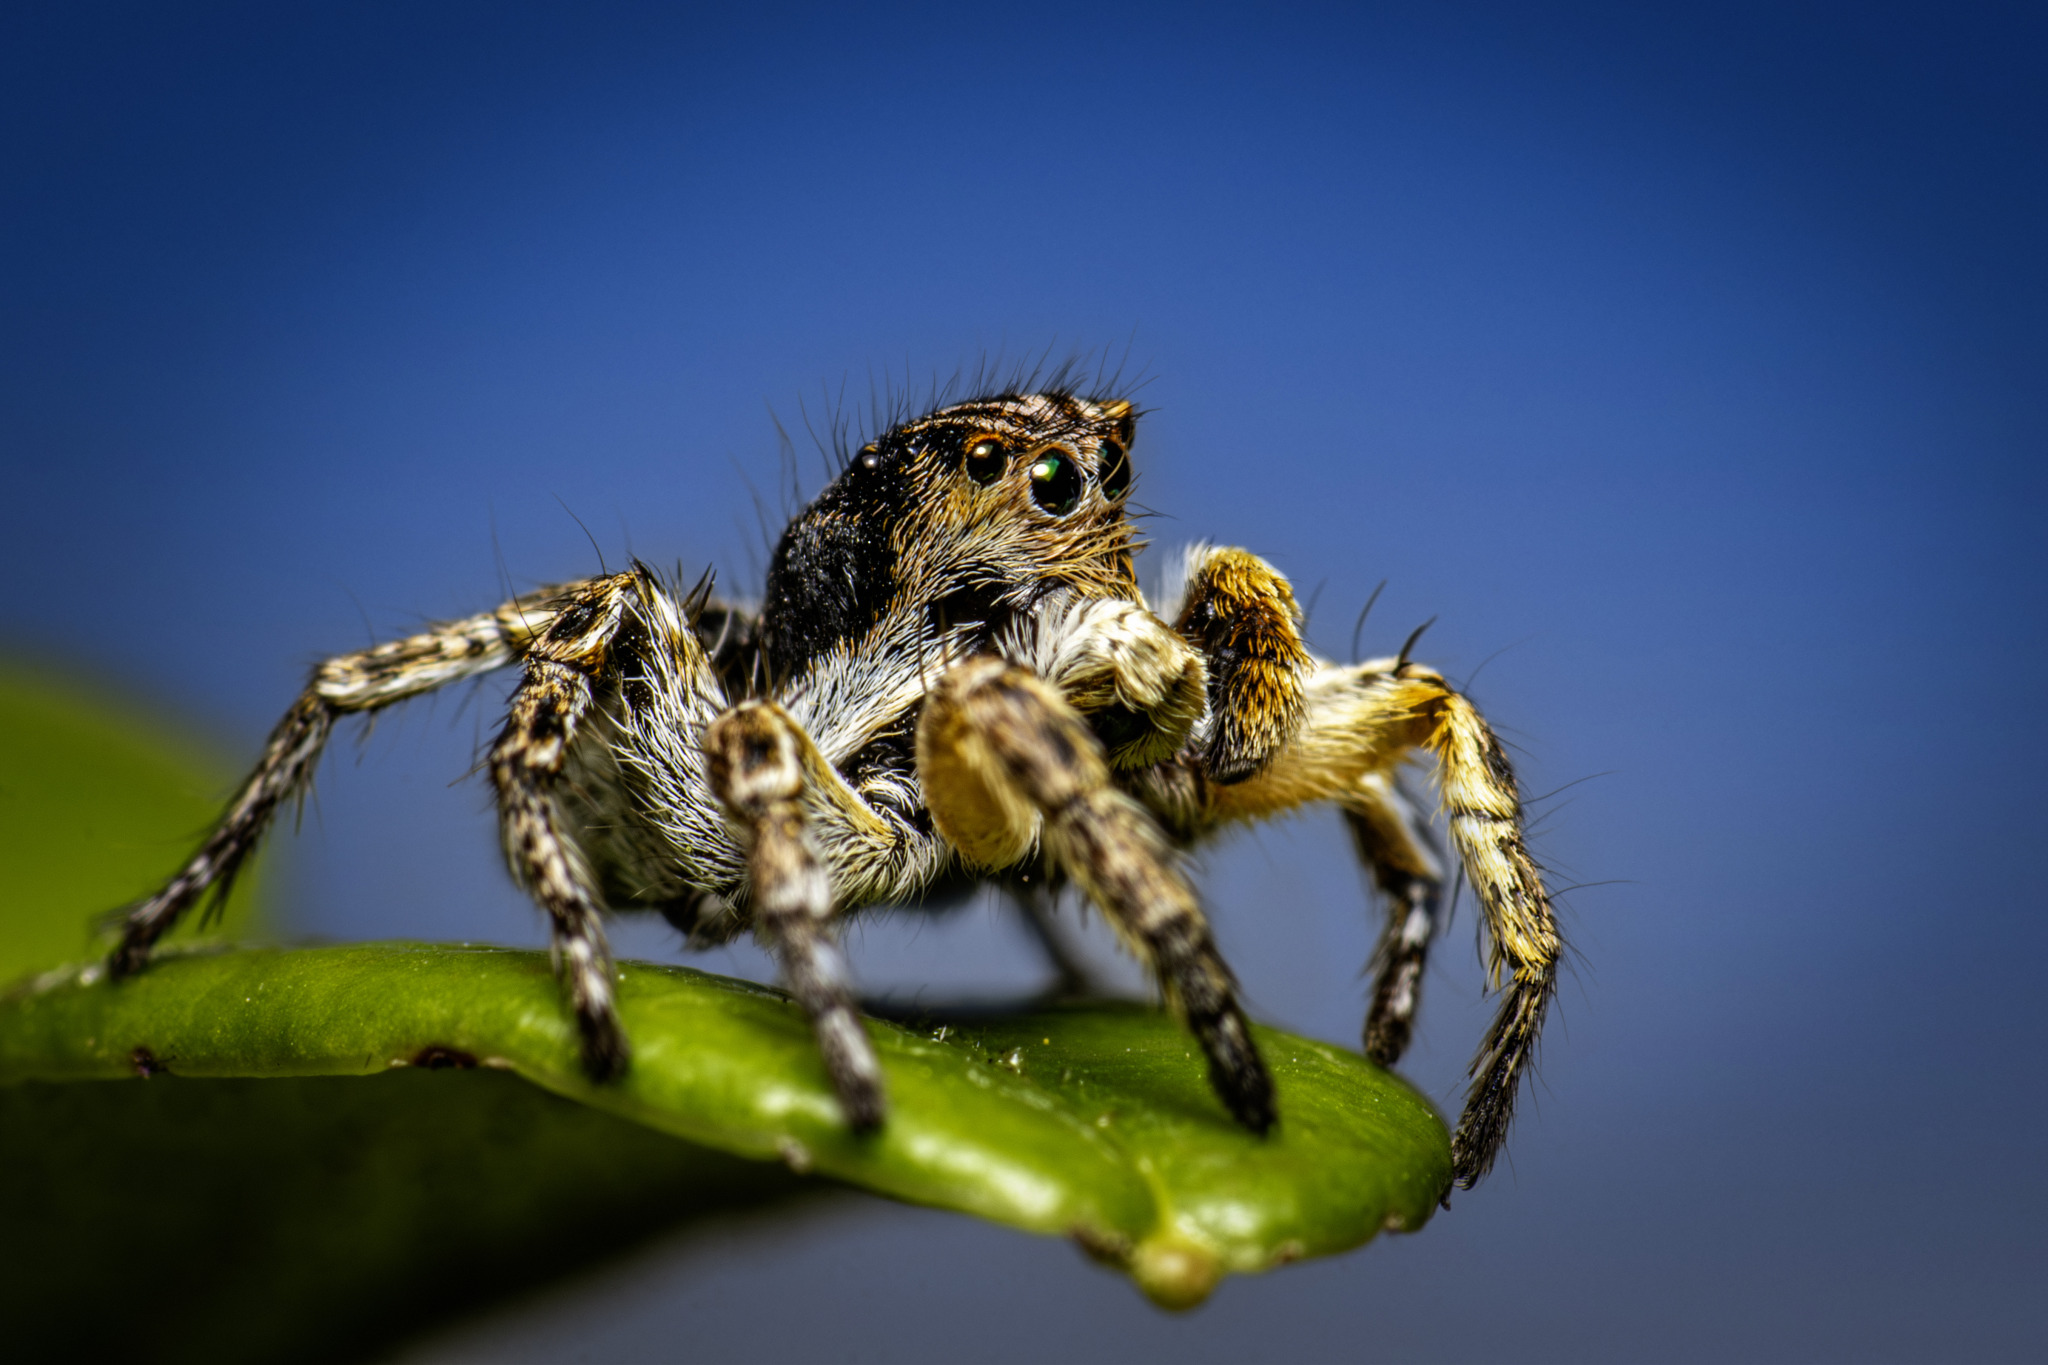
x=1116, y=470
x=1055, y=481
x=987, y=458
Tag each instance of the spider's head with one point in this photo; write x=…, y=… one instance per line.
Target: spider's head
x=959, y=519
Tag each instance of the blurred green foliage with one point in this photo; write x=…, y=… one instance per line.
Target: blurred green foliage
x=98, y=804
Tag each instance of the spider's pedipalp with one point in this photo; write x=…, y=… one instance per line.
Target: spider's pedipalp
x=1004, y=759
x=1240, y=612
x=1140, y=686
x=757, y=770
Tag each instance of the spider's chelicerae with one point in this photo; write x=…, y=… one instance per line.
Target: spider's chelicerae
x=953, y=675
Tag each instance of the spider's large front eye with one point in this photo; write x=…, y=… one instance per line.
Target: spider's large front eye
x=1055, y=481
x=987, y=458
x=1116, y=471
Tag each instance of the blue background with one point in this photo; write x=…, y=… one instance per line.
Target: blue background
x=1693, y=359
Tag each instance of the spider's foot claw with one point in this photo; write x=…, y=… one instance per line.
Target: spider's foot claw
x=126, y=960
x=865, y=1107
x=1238, y=1074
x=1247, y=1091
x=856, y=1073
x=606, y=1054
x=1254, y=1109
x=1475, y=1145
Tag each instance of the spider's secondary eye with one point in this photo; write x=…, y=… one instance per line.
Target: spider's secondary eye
x=987, y=458
x=1116, y=470
x=1055, y=481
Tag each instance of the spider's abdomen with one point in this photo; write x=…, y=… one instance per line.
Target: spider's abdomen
x=834, y=573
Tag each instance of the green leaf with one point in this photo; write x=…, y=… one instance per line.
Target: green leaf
x=1094, y=1122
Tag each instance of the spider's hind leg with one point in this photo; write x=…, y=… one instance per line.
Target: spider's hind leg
x=1365, y=718
x=1073, y=978
x=1006, y=762
x=1483, y=805
x=1394, y=840
x=366, y=681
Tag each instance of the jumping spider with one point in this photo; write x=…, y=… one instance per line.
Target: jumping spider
x=953, y=675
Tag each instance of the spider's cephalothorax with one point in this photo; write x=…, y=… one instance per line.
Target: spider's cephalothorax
x=953, y=674
x=969, y=517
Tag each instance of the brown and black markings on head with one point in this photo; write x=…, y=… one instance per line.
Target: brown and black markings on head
x=947, y=527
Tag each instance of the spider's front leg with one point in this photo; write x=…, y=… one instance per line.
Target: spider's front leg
x=366, y=681
x=1005, y=761
x=758, y=760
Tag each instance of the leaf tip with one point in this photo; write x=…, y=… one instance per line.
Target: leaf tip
x=1175, y=1273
